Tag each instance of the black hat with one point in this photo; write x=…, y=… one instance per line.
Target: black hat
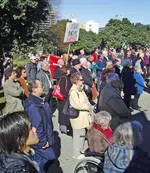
x=75, y=62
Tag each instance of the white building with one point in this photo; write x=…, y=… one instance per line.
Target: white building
x=90, y=26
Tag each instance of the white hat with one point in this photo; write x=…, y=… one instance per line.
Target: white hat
x=32, y=57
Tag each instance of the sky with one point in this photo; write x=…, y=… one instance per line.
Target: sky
x=137, y=11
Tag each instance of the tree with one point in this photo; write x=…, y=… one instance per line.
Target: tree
x=119, y=33
x=19, y=22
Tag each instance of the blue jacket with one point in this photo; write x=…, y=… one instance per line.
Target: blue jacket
x=40, y=117
x=139, y=82
x=101, y=65
x=117, y=158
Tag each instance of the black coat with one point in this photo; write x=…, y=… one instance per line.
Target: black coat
x=112, y=102
x=31, y=69
x=65, y=86
x=87, y=78
x=17, y=163
x=128, y=80
x=57, y=73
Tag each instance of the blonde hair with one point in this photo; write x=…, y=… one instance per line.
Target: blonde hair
x=101, y=117
x=129, y=133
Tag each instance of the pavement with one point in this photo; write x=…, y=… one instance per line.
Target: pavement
x=67, y=163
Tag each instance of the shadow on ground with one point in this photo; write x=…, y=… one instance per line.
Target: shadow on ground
x=141, y=160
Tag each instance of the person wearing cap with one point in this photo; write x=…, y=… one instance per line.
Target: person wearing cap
x=13, y=93
x=76, y=66
x=31, y=68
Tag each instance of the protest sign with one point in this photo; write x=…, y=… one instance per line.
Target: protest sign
x=72, y=32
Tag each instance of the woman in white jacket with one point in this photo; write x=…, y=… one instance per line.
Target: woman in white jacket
x=79, y=101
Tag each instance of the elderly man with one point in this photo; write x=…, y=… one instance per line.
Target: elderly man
x=44, y=76
x=31, y=68
x=87, y=78
x=41, y=123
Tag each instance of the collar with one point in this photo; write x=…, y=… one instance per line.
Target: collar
x=35, y=99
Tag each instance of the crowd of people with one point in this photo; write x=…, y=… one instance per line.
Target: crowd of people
x=97, y=87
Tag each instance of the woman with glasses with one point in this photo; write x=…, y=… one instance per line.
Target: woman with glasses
x=22, y=78
x=79, y=101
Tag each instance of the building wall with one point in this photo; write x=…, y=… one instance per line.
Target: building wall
x=90, y=26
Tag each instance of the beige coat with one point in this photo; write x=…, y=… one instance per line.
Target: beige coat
x=79, y=100
x=13, y=91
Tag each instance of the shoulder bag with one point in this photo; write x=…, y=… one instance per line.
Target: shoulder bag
x=57, y=93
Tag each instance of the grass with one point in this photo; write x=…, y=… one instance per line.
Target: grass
x=20, y=61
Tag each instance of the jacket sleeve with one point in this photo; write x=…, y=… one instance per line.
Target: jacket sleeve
x=76, y=102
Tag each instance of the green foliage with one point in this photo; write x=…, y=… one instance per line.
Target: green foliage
x=20, y=31
x=116, y=34
x=87, y=40
x=19, y=23
x=122, y=33
x=52, y=39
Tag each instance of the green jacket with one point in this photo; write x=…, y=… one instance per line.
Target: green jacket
x=13, y=92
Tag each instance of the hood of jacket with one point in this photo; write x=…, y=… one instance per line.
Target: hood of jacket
x=120, y=156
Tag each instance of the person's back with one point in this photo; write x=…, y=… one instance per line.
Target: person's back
x=119, y=155
x=117, y=158
x=13, y=93
x=112, y=102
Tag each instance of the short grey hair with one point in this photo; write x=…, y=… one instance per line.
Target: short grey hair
x=129, y=133
x=101, y=117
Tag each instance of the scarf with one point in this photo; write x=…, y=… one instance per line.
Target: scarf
x=107, y=132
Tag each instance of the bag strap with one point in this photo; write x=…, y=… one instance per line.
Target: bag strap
x=105, y=137
x=78, y=97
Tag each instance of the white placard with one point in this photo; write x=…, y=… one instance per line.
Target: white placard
x=72, y=32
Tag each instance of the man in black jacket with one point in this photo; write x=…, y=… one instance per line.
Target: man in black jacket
x=87, y=78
